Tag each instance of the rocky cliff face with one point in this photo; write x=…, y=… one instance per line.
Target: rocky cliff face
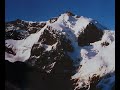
x=68, y=52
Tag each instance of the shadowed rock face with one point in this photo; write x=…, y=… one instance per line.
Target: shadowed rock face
x=9, y=50
x=46, y=60
x=17, y=34
x=91, y=34
x=47, y=36
x=69, y=13
x=52, y=20
x=104, y=44
x=24, y=76
x=23, y=25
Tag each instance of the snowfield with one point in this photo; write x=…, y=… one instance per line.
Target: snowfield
x=97, y=60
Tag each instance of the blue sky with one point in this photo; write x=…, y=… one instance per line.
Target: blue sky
x=42, y=10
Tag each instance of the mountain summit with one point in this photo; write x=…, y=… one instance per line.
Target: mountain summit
x=74, y=52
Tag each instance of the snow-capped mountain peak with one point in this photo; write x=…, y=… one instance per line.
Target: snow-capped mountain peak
x=67, y=44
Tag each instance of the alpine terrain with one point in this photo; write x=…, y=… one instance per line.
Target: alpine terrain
x=68, y=52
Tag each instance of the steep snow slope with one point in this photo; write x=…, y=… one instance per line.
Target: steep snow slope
x=97, y=60
x=67, y=38
x=21, y=48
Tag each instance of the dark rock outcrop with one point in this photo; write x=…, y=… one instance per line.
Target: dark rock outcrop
x=31, y=27
x=52, y=20
x=49, y=36
x=105, y=44
x=44, y=59
x=91, y=34
x=69, y=13
x=17, y=34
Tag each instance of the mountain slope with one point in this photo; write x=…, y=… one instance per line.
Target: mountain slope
x=76, y=47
